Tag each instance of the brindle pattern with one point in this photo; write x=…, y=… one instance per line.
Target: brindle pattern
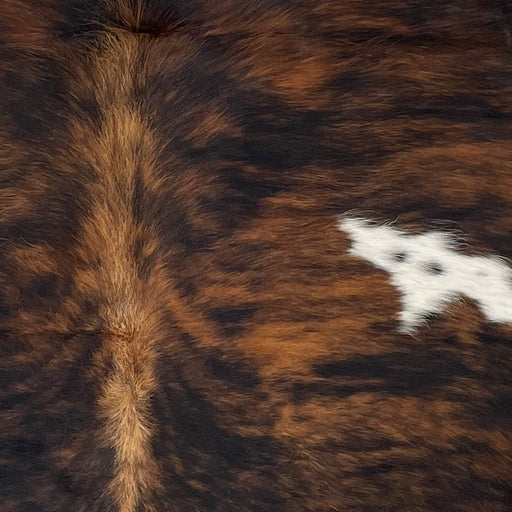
x=181, y=326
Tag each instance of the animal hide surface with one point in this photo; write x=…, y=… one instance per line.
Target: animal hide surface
x=254, y=256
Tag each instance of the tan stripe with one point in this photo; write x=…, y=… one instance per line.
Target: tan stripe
x=129, y=315
x=125, y=404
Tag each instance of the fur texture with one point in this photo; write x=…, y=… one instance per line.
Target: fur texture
x=182, y=327
x=430, y=273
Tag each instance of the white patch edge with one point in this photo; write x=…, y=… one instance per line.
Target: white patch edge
x=429, y=274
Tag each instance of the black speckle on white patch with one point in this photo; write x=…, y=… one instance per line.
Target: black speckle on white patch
x=434, y=268
x=400, y=256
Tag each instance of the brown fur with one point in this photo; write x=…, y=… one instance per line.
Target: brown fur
x=181, y=326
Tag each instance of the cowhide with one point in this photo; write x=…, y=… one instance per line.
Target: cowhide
x=254, y=256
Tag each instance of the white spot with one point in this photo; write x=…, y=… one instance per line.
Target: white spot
x=430, y=274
